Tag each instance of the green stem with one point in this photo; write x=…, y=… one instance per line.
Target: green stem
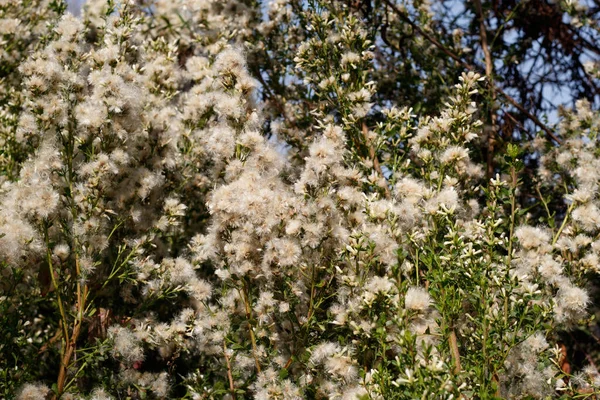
x=61, y=308
x=510, y=237
x=417, y=265
x=250, y=327
x=564, y=223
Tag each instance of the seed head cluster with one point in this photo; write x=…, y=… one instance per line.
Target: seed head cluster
x=168, y=231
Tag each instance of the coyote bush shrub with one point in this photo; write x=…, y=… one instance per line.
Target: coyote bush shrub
x=219, y=200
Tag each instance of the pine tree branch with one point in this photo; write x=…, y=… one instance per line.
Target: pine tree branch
x=470, y=67
x=489, y=72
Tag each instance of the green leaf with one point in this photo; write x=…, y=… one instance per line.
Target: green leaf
x=283, y=373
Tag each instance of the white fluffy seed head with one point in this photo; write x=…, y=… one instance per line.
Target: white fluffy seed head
x=417, y=299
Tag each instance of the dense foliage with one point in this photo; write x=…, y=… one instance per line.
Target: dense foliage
x=299, y=199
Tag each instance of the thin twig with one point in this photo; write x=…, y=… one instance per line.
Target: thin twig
x=66, y=360
x=427, y=36
x=564, y=223
x=529, y=115
x=373, y=155
x=509, y=116
x=229, y=374
x=61, y=307
x=280, y=107
x=67, y=349
x=51, y=341
x=71, y=343
x=250, y=328
x=489, y=72
x=454, y=350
